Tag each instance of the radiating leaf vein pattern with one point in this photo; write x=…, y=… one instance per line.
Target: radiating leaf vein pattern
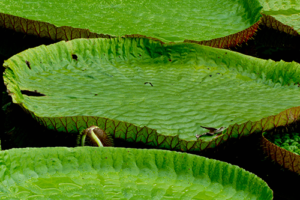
x=100, y=173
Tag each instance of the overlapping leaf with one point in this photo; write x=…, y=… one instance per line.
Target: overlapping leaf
x=282, y=15
x=100, y=173
x=221, y=24
x=143, y=91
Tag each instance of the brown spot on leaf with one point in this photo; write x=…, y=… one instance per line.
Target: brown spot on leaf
x=75, y=57
x=28, y=64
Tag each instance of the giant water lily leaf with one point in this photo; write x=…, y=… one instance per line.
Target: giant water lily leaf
x=168, y=21
x=100, y=173
x=283, y=15
x=143, y=91
x=279, y=154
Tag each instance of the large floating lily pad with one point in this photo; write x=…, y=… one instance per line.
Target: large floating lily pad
x=100, y=173
x=143, y=91
x=168, y=21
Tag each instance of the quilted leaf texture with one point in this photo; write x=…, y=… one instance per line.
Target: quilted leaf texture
x=283, y=15
x=160, y=94
x=122, y=173
x=218, y=23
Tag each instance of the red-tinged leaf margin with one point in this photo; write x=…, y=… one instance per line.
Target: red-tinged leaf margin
x=286, y=159
x=47, y=30
x=148, y=136
x=271, y=22
x=283, y=157
x=230, y=40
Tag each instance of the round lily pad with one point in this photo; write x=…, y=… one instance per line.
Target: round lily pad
x=144, y=91
x=123, y=173
x=168, y=21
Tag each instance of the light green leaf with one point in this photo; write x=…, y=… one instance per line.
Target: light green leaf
x=168, y=21
x=122, y=173
x=143, y=91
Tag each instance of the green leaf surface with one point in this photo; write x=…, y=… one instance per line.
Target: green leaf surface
x=169, y=21
x=122, y=173
x=143, y=91
x=285, y=11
